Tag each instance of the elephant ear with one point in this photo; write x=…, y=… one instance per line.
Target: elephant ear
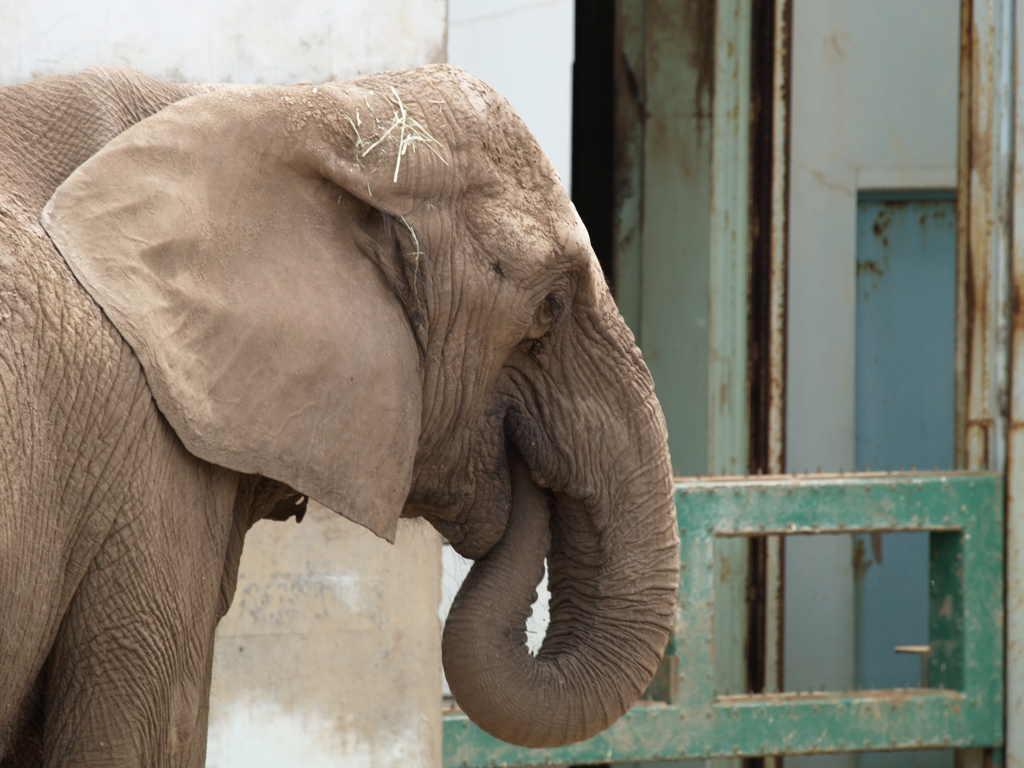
x=246, y=275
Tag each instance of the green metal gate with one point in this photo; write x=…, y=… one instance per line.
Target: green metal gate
x=963, y=707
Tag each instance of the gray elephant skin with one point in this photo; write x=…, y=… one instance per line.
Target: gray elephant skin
x=216, y=301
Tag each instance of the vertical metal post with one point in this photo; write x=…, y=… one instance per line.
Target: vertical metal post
x=728, y=429
x=984, y=222
x=779, y=239
x=678, y=73
x=1014, y=755
x=990, y=396
x=728, y=418
x=777, y=331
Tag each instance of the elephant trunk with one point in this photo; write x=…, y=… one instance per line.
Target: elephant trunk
x=613, y=592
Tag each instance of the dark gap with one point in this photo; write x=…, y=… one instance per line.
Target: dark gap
x=757, y=560
x=593, y=106
x=762, y=56
x=762, y=61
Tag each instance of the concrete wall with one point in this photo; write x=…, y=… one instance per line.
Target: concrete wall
x=330, y=654
x=231, y=41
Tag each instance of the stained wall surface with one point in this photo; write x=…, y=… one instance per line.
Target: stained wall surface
x=330, y=654
x=230, y=41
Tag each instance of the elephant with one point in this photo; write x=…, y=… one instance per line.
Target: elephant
x=219, y=301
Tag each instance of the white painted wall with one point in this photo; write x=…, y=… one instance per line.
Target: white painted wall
x=874, y=106
x=524, y=49
x=239, y=41
x=330, y=654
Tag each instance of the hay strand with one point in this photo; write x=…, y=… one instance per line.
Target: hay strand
x=404, y=132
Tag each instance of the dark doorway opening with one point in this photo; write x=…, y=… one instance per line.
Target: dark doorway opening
x=593, y=105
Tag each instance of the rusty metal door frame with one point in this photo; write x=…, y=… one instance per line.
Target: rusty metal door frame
x=990, y=332
x=991, y=252
x=984, y=232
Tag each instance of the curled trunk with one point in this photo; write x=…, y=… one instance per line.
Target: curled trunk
x=612, y=606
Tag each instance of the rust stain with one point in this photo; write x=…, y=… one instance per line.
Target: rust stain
x=871, y=266
x=692, y=36
x=946, y=611
x=779, y=243
x=835, y=41
x=871, y=709
x=861, y=563
x=876, y=546
x=882, y=222
x=1017, y=307
x=761, y=176
x=965, y=288
x=699, y=25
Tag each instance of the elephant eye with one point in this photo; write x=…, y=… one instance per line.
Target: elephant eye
x=545, y=316
x=550, y=309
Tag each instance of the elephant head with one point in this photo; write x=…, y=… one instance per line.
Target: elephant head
x=378, y=292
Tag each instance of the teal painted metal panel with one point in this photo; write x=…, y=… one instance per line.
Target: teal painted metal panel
x=906, y=330
x=728, y=421
x=905, y=416
x=676, y=211
x=962, y=511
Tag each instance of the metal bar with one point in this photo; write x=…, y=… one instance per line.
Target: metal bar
x=678, y=52
x=1015, y=439
x=963, y=221
x=728, y=406
x=777, y=333
x=989, y=340
x=985, y=279
x=750, y=726
x=728, y=431
x=773, y=615
x=779, y=242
